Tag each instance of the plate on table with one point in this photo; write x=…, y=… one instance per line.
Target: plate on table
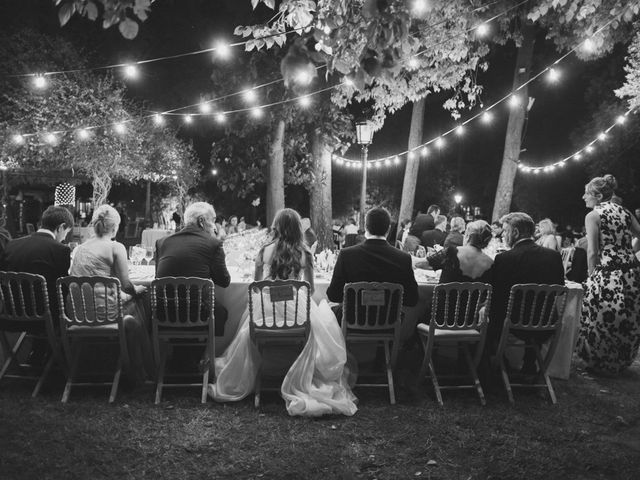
x=426, y=276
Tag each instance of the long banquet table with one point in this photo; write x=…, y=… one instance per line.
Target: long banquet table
x=234, y=298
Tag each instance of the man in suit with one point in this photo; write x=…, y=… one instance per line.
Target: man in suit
x=424, y=221
x=195, y=251
x=436, y=236
x=44, y=254
x=374, y=260
x=525, y=262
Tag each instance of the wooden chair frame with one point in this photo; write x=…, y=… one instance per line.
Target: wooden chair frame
x=380, y=322
x=79, y=324
x=463, y=326
x=545, y=315
x=177, y=322
x=287, y=332
x=20, y=315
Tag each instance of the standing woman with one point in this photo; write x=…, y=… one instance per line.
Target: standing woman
x=548, y=235
x=609, y=336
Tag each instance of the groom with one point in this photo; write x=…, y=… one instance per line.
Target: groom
x=375, y=260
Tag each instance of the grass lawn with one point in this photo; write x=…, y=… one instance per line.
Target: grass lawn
x=593, y=432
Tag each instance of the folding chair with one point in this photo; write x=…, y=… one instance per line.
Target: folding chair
x=371, y=313
x=456, y=319
x=533, y=311
x=91, y=313
x=24, y=310
x=279, y=314
x=182, y=314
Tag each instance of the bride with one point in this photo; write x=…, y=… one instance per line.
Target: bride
x=316, y=383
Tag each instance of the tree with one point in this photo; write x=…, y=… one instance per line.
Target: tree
x=47, y=127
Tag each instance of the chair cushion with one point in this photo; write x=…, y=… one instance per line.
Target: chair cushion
x=108, y=329
x=443, y=333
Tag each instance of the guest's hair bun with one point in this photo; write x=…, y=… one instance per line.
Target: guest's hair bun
x=610, y=180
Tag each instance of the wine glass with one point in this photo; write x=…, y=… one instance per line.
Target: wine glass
x=421, y=252
x=148, y=254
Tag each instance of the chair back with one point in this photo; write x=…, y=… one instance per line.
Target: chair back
x=182, y=302
x=456, y=305
x=536, y=307
x=371, y=306
x=279, y=306
x=567, y=258
x=24, y=301
x=89, y=301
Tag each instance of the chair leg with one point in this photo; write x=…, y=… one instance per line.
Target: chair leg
x=505, y=379
x=547, y=380
x=45, y=373
x=425, y=361
x=434, y=381
x=116, y=381
x=73, y=368
x=11, y=352
x=160, y=377
x=256, y=398
x=474, y=374
x=387, y=357
x=205, y=384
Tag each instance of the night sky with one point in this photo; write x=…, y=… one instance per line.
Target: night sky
x=471, y=163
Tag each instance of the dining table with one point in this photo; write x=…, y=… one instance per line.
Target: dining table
x=150, y=235
x=235, y=297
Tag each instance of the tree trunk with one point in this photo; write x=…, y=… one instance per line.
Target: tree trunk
x=101, y=187
x=275, y=172
x=320, y=198
x=147, y=204
x=517, y=117
x=413, y=163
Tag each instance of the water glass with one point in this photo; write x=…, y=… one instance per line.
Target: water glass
x=148, y=254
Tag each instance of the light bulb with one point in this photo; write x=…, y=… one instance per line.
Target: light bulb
x=205, y=107
x=514, y=100
x=303, y=77
x=158, y=119
x=221, y=118
x=602, y=137
x=256, y=112
x=420, y=6
x=131, y=71
x=222, y=50
x=487, y=117
x=588, y=148
x=83, y=134
x=424, y=152
x=553, y=76
x=621, y=119
x=40, y=82
x=214, y=171
x=120, y=128
x=413, y=62
x=387, y=162
x=18, y=139
x=348, y=81
x=250, y=95
x=396, y=159
x=482, y=29
x=50, y=138
x=411, y=155
x=588, y=45
x=304, y=101
x=188, y=119
x=439, y=142
x=460, y=131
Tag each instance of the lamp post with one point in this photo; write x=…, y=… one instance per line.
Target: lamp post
x=364, y=136
x=458, y=198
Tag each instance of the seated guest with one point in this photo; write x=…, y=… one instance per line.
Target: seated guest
x=466, y=263
x=374, y=260
x=44, y=254
x=403, y=231
x=242, y=226
x=456, y=230
x=101, y=256
x=436, y=236
x=232, y=226
x=195, y=251
x=547, y=237
x=526, y=262
x=220, y=229
x=336, y=229
x=424, y=221
x=350, y=227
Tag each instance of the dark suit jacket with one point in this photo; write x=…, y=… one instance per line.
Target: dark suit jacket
x=526, y=262
x=42, y=254
x=431, y=237
x=423, y=221
x=192, y=252
x=373, y=261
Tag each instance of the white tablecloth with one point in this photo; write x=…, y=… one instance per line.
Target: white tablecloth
x=150, y=235
x=234, y=298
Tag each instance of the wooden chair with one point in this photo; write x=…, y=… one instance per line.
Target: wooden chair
x=532, y=310
x=25, y=311
x=279, y=314
x=371, y=313
x=456, y=319
x=91, y=313
x=182, y=314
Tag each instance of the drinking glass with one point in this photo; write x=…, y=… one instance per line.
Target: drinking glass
x=421, y=252
x=148, y=254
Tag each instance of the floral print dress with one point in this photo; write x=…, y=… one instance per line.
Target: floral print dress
x=609, y=336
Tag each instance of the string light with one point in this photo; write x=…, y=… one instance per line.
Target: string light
x=18, y=139
x=487, y=117
x=326, y=29
x=303, y=77
x=460, y=130
x=424, y=152
x=188, y=119
x=50, y=138
x=588, y=45
x=131, y=71
x=158, y=119
x=304, y=101
x=602, y=136
x=348, y=82
x=621, y=119
x=220, y=117
x=439, y=142
x=250, y=95
x=482, y=30
x=420, y=6
x=222, y=49
x=396, y=159
x=83, y=134
x=514, y=101
x=256, y=112
x=413, y=62
x=589, y=148
x=120, y=128
x=554, y=75
x=205, y=107
x=40, y=82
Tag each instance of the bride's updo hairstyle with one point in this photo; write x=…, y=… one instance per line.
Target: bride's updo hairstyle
x=603, y=187
x=286, y=262
x=105, y=220
x=478, y=234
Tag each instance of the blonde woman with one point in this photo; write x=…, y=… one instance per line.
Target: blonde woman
x=547, y=237
x=102, y=256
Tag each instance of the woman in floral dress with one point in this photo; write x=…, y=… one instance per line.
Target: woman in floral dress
x=609, y=336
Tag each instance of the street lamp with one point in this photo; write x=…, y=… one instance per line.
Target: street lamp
x=364, y=136
x=457, y=198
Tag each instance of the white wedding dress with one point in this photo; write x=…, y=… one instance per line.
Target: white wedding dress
x=315, y=384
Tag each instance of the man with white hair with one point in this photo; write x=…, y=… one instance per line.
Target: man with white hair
x=195, y=251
